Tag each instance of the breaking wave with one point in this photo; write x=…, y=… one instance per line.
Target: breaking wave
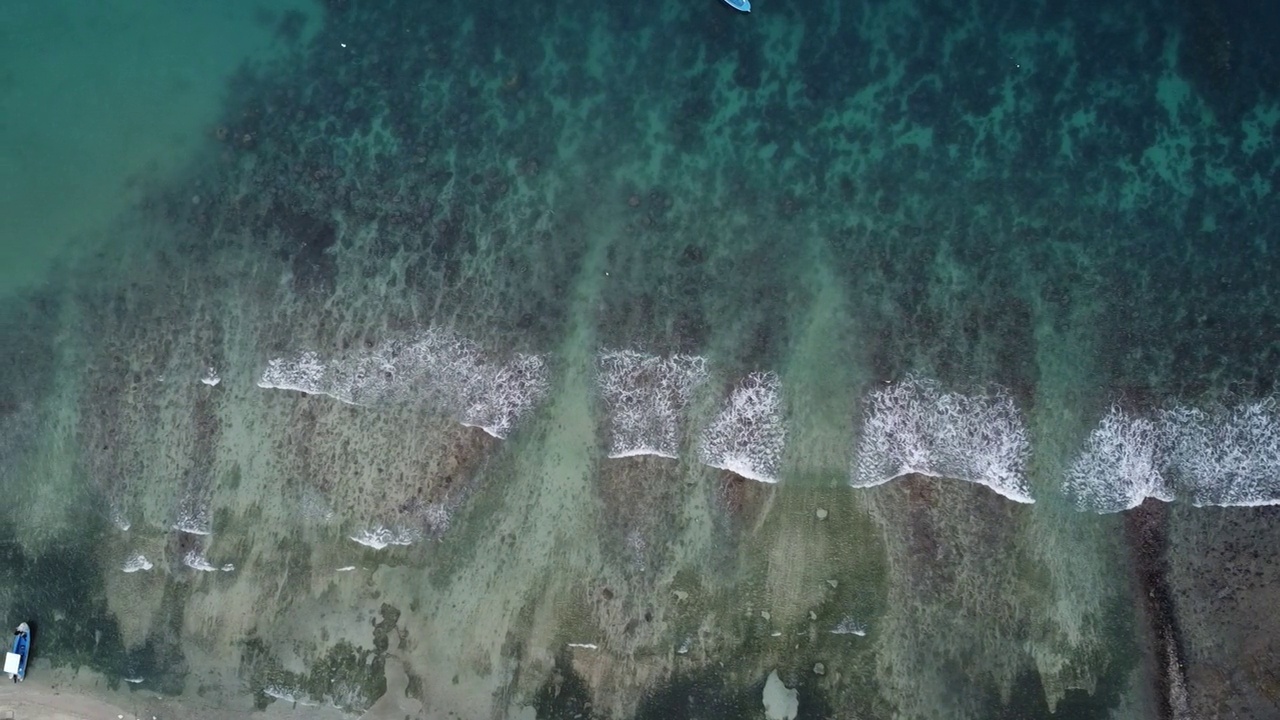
x=435, y=366
x=197, y=561
x=499, y=396
x=137, y=563
x=380, y=537
x=913, y=427
x=646, y=397
x=1228, y=458
x=748, y=435
x=1119, y=467
x=193, y=516
x=289, y=695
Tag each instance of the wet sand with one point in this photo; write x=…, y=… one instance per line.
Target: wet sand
x=69, y=695
x=32, y=700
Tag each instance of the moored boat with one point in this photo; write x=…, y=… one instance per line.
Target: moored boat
x=15, y=661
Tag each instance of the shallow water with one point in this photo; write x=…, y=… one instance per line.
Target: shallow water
x=602, y=360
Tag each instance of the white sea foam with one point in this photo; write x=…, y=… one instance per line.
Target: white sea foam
x=436, y=516
x=1230, y=458
x=646, y=397
x=748, y=435
x=1122, y=464
x=849, y=626
x=197, y=561
x=304, y=373
x=119, y=520
x=192, y=526
x=913, y=427
x=380, y=536
x=434, y=366
x=496, y=397
x=289, y=695
x=193, y=516
x=137, y=563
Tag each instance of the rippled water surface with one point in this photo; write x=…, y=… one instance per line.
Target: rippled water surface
x=594, y=360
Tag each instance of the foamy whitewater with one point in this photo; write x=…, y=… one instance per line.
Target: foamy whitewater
x=645, y=397
x=197, y=561
x=1229, y=457
x=1119, y=467
x=137, y=563
x=435, y=366
x=379, y=537
x=297, y=697
x=194, y=517
x=913, y=427
x=849, y=626
x=748, y=435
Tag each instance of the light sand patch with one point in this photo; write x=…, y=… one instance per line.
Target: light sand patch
x=61, y=695
x=30, y=701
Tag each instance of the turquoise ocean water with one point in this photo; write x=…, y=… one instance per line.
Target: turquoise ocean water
x=904, y=359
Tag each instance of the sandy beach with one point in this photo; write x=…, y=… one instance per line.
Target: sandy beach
x=33, y=700
x=84, y=695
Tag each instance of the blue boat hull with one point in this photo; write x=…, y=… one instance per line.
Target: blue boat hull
x=21, y=648
x=743, y=5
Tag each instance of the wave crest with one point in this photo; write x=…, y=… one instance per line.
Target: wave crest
x=646, y=397
x=913, y=427
x=1231, y=458
x=434, y=366
x=748, y=435
x=1121, y=465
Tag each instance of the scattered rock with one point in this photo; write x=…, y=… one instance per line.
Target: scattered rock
x=765, y=614
x=819, y=669
x=780, y=702
x=822, y=513
x=833, y=584
x=681, y=595
x=813, y=615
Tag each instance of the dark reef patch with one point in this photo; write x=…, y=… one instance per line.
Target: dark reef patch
x=306, y=238
x=565, y=695
x=1146, y=536
x=60, y=593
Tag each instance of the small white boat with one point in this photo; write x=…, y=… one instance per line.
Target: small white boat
x=743, y=5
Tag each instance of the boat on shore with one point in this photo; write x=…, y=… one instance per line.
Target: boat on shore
x=15, y=661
